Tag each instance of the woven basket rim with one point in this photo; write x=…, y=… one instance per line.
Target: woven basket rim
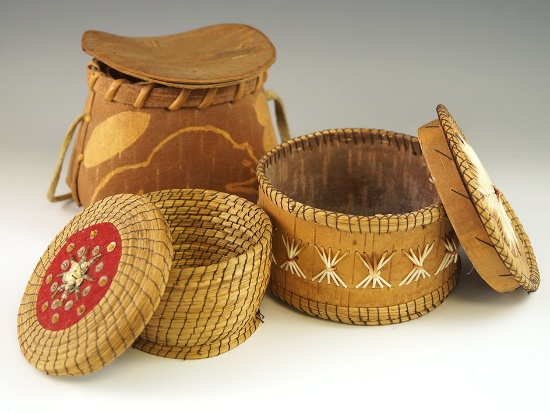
x=377, y=223
x=140, y=93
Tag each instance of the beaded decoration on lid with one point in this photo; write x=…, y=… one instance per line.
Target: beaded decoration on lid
x=96, y=286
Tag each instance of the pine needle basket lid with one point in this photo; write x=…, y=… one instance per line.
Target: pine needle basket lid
x=95, y=287
x=221, y=54
x=488, y=228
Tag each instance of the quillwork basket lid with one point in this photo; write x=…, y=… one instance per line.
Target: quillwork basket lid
x=489, y=230
x=95, y=287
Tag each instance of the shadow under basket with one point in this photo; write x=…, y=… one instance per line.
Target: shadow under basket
x=219, y=274
x=360, y=235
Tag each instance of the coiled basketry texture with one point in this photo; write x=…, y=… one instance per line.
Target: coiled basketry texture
x=219, y=275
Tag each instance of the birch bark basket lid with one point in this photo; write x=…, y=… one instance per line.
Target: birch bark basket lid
x=486, y=225
x=176, y=273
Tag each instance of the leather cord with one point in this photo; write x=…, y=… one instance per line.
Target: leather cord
x=57, y=171
x=280, y=114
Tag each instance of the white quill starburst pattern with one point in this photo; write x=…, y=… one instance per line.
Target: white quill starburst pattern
x=330, y=266
x=451, y=253
x=374, y=265
x=491, y=195
x=292, y=250
x=417, y=259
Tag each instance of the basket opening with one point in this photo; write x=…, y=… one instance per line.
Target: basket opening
x=365, y=178
x=208, y=235
x=196, y=248
x=116, y=74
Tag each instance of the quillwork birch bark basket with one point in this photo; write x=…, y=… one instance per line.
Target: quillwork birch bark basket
x=178, y=274
x=187, y=110
x=360, y=235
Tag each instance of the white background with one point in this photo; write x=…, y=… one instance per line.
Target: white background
x=339, y=64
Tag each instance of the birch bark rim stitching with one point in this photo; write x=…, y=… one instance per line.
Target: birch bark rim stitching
x=118, y=87
x=378, y=223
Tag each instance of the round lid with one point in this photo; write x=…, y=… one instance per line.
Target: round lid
x=214, y=55
x=95, y=287
x=488, y=229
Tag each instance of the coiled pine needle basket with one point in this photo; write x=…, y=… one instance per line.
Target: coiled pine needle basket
x=219, y=275
x=122, y=243
x=360, y=234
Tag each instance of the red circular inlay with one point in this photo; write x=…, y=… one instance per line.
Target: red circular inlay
x=79, y=276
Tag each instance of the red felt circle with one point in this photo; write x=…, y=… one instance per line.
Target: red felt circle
x=61, y=302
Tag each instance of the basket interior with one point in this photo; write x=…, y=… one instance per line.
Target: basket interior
x=116, y=74
x=195, y=246
x=206, y=233
x=372, y=176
